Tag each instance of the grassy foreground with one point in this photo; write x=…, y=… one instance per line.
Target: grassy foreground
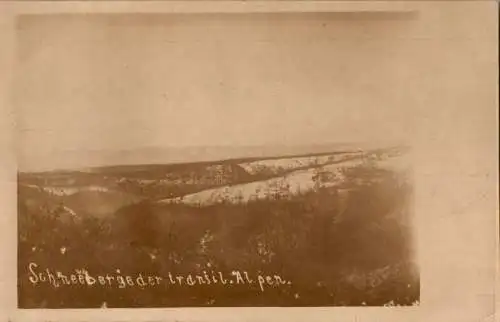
x=348, y=245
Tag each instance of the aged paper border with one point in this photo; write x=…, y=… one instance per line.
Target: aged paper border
x=455, y=142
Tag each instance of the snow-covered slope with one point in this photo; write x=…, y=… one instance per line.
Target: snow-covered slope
x=67, y=191
x=277, y=166
x=299, y=181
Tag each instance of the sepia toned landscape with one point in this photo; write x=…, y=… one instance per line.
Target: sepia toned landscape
x=247, y=161
x=213, y=160
x=329, y=229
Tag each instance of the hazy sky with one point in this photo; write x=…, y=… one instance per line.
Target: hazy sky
x=125, y=82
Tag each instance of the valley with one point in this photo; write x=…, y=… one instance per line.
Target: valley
x=337, y=225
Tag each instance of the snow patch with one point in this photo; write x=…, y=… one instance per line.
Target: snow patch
x=294, y=183
x=67, y=191
x=286, y=164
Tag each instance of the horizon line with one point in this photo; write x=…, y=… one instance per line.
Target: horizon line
x=207, y=159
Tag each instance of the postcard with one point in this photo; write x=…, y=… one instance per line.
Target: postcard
x=250, y=161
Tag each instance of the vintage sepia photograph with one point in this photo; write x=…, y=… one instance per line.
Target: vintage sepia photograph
x=230, y=161
x=213, y=160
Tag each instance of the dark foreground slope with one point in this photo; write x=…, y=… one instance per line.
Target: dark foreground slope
x=336, y=246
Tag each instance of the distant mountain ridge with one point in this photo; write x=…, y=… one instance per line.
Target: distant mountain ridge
x=104, y=190
x=30, y=161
